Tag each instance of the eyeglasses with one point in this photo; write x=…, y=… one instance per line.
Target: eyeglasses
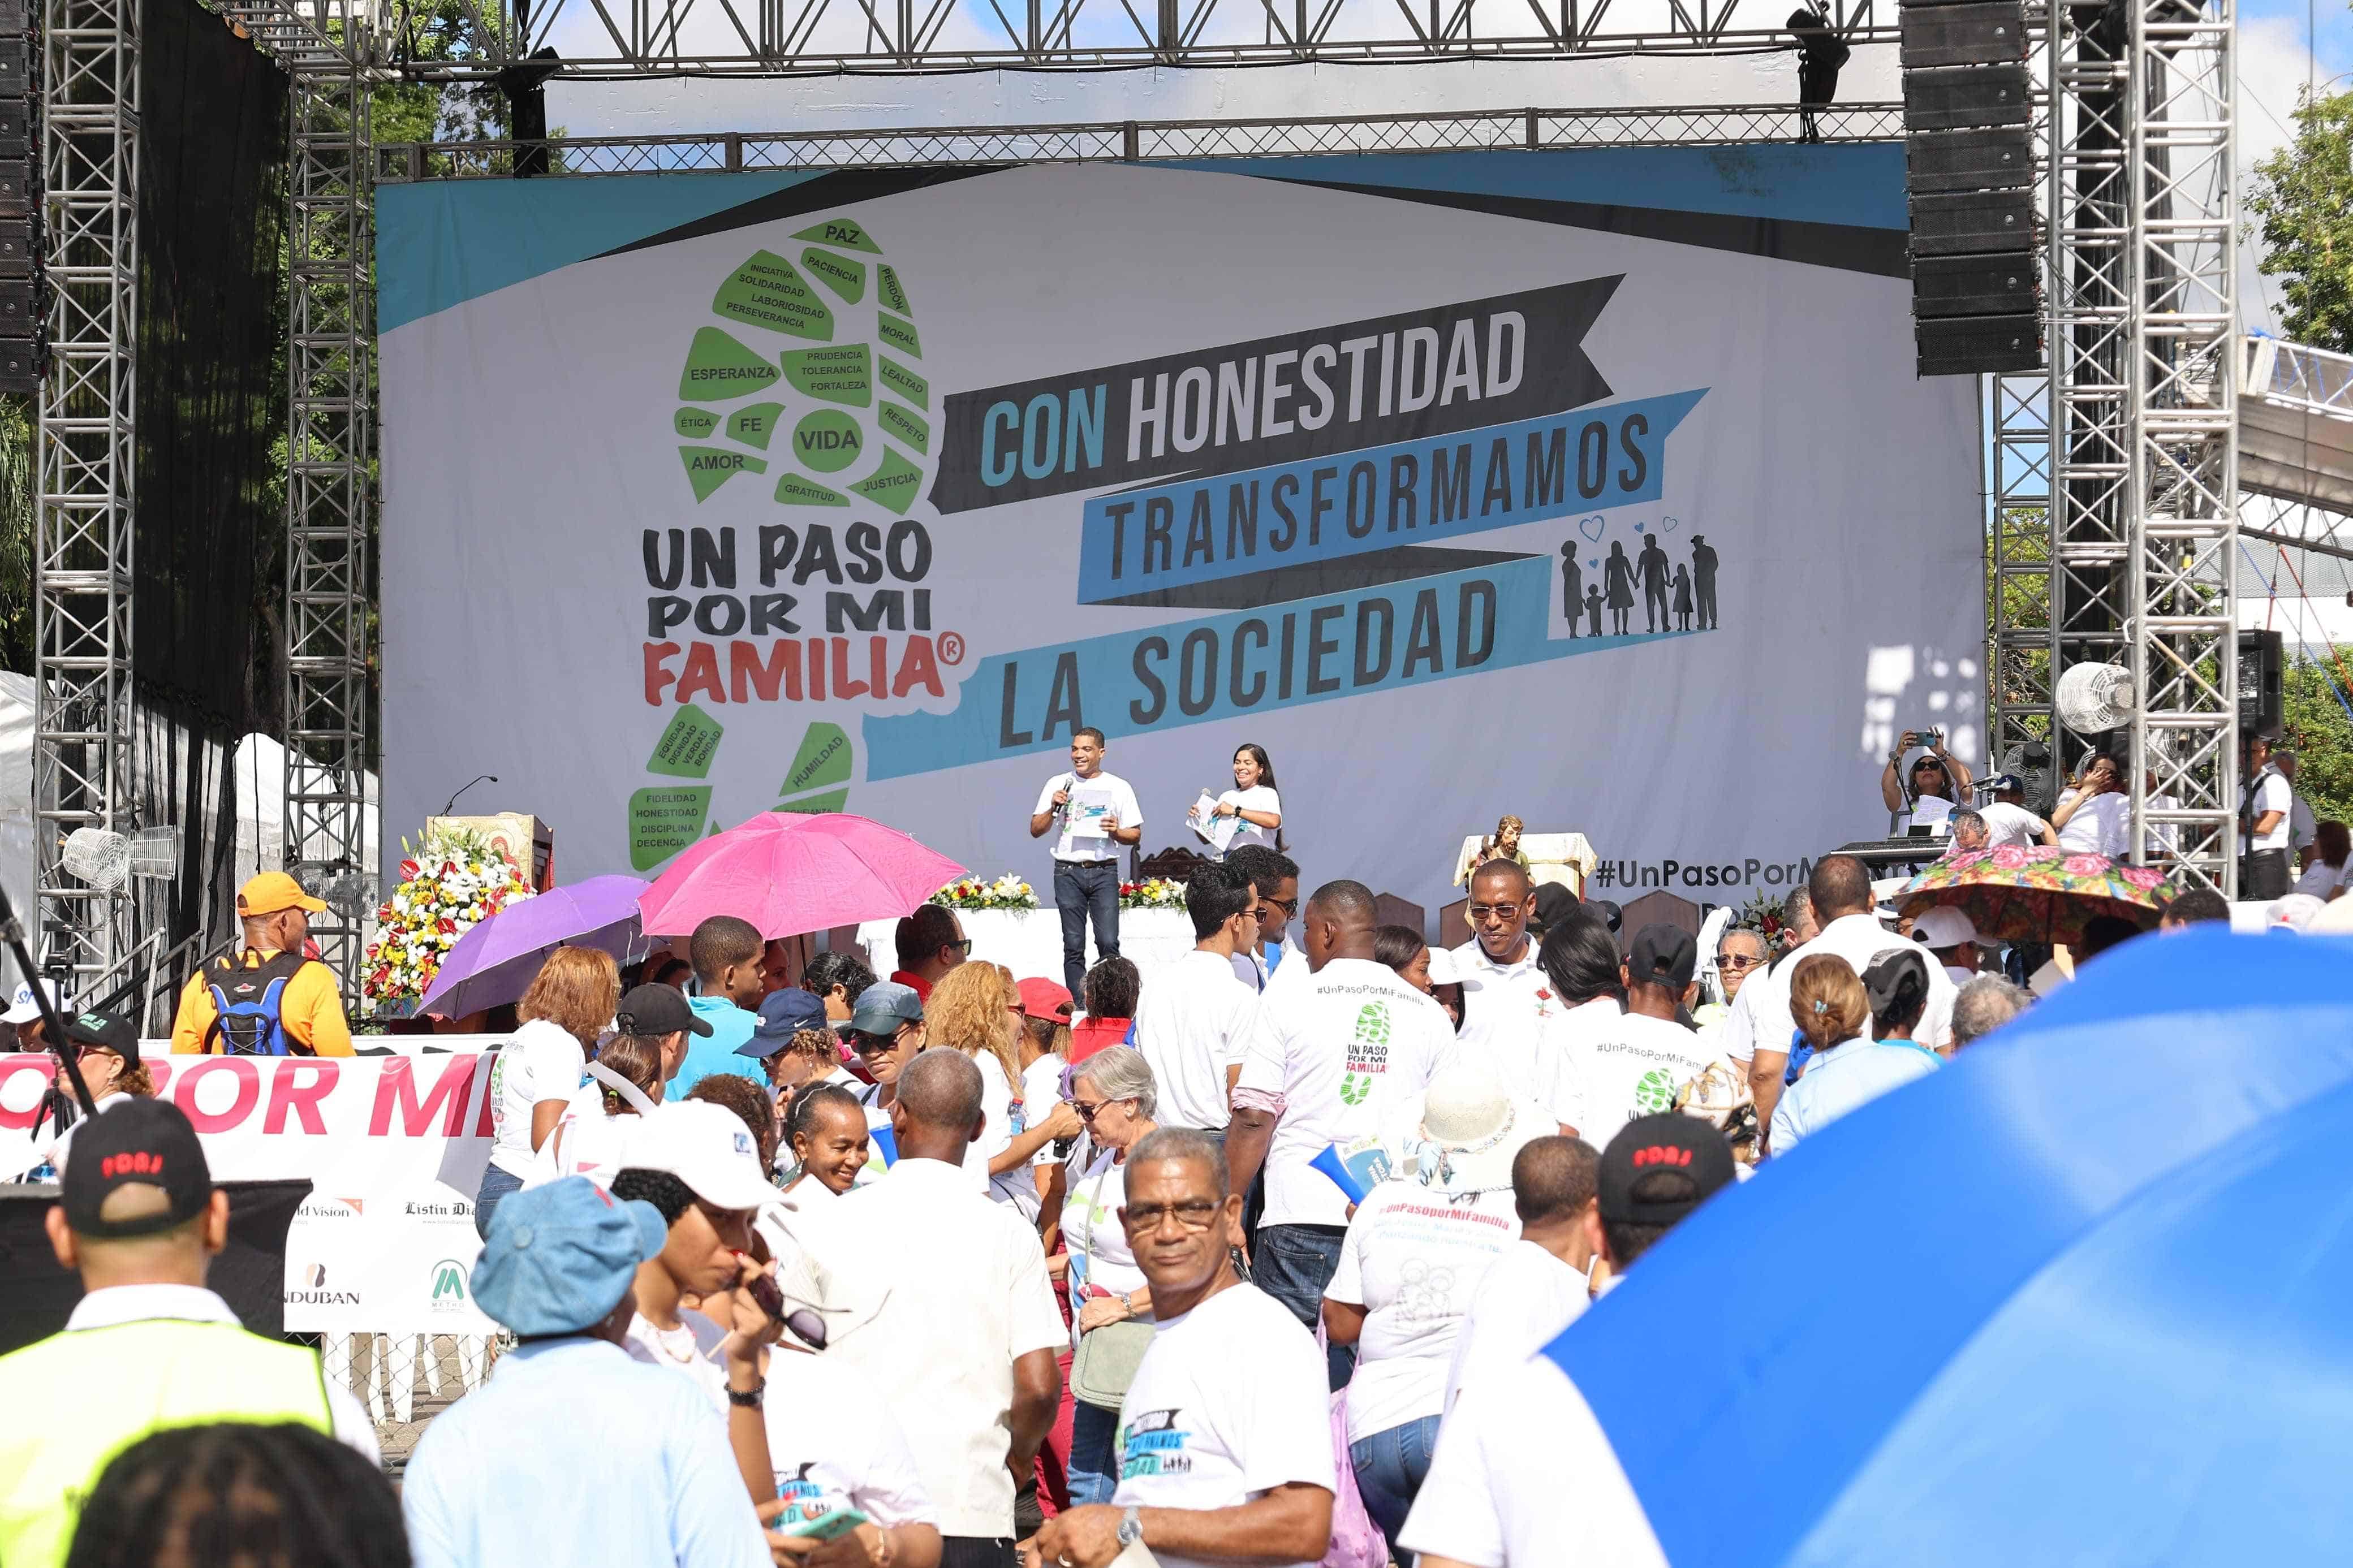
x=1494, y=912
x=1197, y=1215
x=963, y=947
x=1289, y=907
x=1087, y=1112
x=1736, y=961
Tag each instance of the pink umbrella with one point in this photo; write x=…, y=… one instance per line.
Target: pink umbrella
x=789, y=873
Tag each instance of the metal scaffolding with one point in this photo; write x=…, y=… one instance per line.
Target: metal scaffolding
x=330, y=449
x=82, y=545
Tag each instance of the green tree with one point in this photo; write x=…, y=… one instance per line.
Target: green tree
x=2316, y=725
x=2303, y=196
x=17, y=468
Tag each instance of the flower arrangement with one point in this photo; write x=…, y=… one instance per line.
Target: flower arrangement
x=1762, y=912
x=447, y=883
x=1158, y=893
x=1008, y=892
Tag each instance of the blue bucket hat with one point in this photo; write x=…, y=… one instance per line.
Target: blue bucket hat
x=559, y=1257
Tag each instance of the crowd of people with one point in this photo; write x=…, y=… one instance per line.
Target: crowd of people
x=1249, y=1263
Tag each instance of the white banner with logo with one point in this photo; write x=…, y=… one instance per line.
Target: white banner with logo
x=1592, y=486
x=393, y=1146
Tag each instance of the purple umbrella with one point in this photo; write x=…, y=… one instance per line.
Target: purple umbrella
x=495, y=963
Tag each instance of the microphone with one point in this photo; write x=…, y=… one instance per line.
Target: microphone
x=451, y=802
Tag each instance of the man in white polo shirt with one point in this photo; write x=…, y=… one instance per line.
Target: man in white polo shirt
x=962, y=1351
x=1504, y=991
x=1195, y=1019
x=1092, y=816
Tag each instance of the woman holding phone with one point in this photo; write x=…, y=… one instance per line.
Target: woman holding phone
x=1252, y=802
x=1938, y=784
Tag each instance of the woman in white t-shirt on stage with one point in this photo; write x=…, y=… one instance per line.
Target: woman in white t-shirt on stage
x=1114, y=1093
x=536, y=1074
x=1415, y=1254
x=1253, y=800
x=2332, y=863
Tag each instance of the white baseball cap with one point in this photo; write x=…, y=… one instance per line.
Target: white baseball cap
x=707, y=1147
x=23, y=1009
x=1942, y=927
x=1441, y=967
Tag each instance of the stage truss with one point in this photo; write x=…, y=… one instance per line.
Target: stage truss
x=2113, y=512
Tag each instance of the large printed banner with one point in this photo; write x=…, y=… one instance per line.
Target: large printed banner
x=393, y=1147
x=1592, y=487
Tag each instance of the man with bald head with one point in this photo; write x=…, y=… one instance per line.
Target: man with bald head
x=1501, y=981
x=962, y=1351
x=1328, y=1062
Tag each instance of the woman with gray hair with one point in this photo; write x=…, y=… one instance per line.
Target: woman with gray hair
x=1115, y=1095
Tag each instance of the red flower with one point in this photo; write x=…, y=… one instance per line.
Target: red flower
x=409, y=869
x=446, y=925
x=449, y=868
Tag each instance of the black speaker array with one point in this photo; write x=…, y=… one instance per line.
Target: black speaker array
x=2263, y=701
x=23, y=300
x=1969, y=173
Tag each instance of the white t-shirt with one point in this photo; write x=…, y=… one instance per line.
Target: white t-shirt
x=963, y=1295
x=2272, y=793
x=1192, y=1023
x=878, y=1122
x=1549, y=1075
x=1502, y=1004
x=1100, y=1261
x=1414, y=1260
x=1041, y=1090
x=542, y=1061
x=835, y=1446
x=2321, y=880
x=1342, y=1046
x=1525, y=1477
x=585, y=1143
x=1089, y=797
x=2011, y=827
x=1632, y=1067
x=1005, y=1122
x=692, y=1348
x=2101, y=825
x=1258, y=797
x=1227, y=1404
x=1521, y=1305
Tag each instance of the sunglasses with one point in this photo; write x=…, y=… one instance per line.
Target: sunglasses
x=1736, y=960
x=1289, y=907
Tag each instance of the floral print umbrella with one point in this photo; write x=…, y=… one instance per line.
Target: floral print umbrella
x=2041, y=894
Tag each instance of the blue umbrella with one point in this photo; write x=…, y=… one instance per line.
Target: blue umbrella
x=2085, y=1296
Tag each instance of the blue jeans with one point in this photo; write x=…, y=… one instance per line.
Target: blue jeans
x=496, y=1184
x=1093, y=1469
x=1292, y=1263
x=1084, y=888
x=1390, y=1467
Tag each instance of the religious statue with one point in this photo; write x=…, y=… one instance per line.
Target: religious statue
x=1505, y=843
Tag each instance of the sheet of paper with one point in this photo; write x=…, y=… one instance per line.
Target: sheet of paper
x=1219, y=832
x=1090, y=805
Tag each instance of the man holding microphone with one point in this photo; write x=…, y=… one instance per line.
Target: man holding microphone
x=1095, y=813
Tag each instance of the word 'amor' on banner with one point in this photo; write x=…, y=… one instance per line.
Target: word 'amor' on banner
x=1594, y=487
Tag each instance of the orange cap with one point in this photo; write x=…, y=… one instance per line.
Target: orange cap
x=273, y=891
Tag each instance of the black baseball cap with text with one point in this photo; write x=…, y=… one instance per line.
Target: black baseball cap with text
x=137, y=1142
x=1659, y=1168
x=1663, y=956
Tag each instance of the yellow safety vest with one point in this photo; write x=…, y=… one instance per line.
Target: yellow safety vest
x=81, y=1397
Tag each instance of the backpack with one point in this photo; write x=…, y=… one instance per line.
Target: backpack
x=248, y=1005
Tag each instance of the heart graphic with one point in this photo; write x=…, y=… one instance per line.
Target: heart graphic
x=1592, y=528
x=1594, y=561
x=1638, y=527
x=1668, y=524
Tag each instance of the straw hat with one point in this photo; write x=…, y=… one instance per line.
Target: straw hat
x=1470, y=1132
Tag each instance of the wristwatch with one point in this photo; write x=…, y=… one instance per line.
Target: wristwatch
x=1131, y=1527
